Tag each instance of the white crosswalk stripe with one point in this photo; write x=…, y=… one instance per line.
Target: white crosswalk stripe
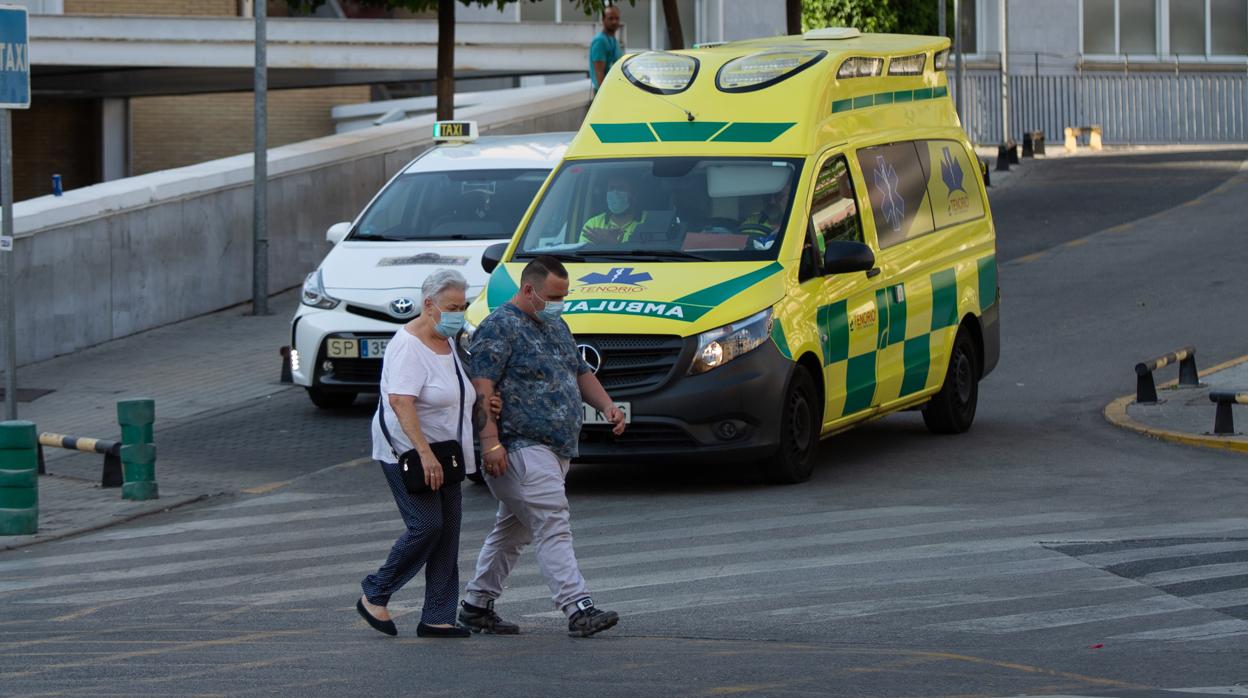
x=804, y=566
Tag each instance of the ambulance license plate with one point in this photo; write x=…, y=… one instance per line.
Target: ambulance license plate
x=593, y=416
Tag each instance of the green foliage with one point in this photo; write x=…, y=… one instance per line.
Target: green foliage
x=879, y=16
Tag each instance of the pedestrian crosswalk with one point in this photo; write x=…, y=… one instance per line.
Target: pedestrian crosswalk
x=940, y=570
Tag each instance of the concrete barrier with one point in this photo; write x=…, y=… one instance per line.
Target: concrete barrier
x=1223, y=420
x=117, y=258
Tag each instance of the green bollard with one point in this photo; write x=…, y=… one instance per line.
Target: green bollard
x=138, y=453
x=19, y=479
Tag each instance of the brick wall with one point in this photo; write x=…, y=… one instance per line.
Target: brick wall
x=176, y=131
x=55, y=136
x=203, y=8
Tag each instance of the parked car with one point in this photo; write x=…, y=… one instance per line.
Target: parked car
x=441, y=210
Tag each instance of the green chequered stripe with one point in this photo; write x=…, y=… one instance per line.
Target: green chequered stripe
x=692, y=131
x=891, y=323
x=882, y=98
x=987, y=282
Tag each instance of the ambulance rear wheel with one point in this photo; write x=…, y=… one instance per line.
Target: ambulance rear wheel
x=794, y=461
x=952, y=410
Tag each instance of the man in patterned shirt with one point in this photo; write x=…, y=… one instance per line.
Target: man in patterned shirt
x=526, y=351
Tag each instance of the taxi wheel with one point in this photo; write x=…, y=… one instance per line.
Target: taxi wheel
x=330, y=401
x=799, y=432
x=952, y=410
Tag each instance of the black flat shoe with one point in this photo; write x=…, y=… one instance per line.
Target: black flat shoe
x=381, y=626
x=423, y=630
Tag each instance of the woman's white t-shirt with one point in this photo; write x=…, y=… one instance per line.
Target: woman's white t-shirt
x=410, y=367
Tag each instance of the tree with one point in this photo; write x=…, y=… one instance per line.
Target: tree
x=446, y=33
x=900, y=16
x=671, y=17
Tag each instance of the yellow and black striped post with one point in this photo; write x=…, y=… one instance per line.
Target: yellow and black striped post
x=1223, y=420
x=19, y=479
x=138, y=453
x=1146, y=387
x=111, y=475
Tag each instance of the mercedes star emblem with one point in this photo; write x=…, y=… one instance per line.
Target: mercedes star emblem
x=590, y=356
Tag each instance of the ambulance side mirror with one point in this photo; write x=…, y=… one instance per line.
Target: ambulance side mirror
x=337, y=232
x=845, y=256
x=492, y=256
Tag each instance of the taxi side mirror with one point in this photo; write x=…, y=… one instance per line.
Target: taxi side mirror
x=492, y=256
x=845, y=256
x=337, y=232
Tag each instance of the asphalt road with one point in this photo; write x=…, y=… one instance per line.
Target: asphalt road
x=1045, y=552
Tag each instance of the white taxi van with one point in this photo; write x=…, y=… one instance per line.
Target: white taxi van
x=440, y=211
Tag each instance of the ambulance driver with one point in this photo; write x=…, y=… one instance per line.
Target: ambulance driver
x=615, y=225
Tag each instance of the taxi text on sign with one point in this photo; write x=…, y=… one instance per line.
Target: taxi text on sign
x=14, y=58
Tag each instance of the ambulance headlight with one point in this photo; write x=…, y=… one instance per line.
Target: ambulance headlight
x=764, y=69
x=661, y=72
x=314, y=294
x=721, y=345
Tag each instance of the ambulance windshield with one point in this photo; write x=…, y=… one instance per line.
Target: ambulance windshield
x=678, y=209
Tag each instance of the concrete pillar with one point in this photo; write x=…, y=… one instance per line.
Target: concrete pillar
x=114, y=138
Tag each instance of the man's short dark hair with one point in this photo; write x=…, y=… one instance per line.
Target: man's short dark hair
x=535, y=272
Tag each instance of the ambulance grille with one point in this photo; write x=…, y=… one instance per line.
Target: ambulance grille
x=633, y=363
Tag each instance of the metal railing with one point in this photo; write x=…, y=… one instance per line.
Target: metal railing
x=1134, y=108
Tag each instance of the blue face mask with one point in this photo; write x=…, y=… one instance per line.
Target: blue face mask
x=450, y=324
x=617, y=201
x=551, y=310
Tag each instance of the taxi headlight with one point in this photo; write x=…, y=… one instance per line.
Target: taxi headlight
x=764, y=69
x=721, y=345
x=314, y=294
x=661, y=72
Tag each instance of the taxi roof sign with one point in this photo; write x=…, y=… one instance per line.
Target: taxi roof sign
x=455, y=131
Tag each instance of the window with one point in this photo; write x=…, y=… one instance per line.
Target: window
x=462, y=205
x=1137, y=26
x=1229, y=21
x=897, y=184
x=951, y=186
x=664, y=208
x=833, y=207
x=1098, y=27
x=1187, y=27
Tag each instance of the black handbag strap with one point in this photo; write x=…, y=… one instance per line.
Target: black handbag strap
x=459, y=436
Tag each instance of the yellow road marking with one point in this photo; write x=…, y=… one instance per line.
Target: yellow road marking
x=1029, y=669
x=265, y=489
x=83, y=612
x=1077, y=242
x=1032, y=257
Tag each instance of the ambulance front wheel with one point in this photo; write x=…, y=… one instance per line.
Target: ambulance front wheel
x=794, y=461
x=952, y=410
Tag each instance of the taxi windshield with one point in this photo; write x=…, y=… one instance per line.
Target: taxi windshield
x=457, y=205
x=671, y=208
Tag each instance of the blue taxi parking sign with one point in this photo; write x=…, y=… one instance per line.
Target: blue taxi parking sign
x=14, y=58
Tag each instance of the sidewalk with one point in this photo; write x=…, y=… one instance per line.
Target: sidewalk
x=192, y=370
x=1185, y=415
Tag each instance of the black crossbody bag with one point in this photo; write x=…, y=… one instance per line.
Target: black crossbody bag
x=450, y=454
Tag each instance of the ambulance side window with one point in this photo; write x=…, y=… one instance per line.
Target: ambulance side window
x=833, y=208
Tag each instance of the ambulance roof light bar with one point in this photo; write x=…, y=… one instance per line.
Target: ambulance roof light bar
x=454, y=131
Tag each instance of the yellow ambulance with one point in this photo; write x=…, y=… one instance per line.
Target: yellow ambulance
x=769, y=241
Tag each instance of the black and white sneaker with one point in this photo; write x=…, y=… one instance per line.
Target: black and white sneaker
x=589, y=620
x=484, y=620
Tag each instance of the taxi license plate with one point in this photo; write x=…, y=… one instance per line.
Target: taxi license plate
x=593, y=416
x=356, y=348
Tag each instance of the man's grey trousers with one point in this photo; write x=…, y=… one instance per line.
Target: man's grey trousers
x=532, y=506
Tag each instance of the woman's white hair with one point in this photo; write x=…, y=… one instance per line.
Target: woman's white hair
x=440, y=281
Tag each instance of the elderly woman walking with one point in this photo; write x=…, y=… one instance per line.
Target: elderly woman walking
x=423, y=405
